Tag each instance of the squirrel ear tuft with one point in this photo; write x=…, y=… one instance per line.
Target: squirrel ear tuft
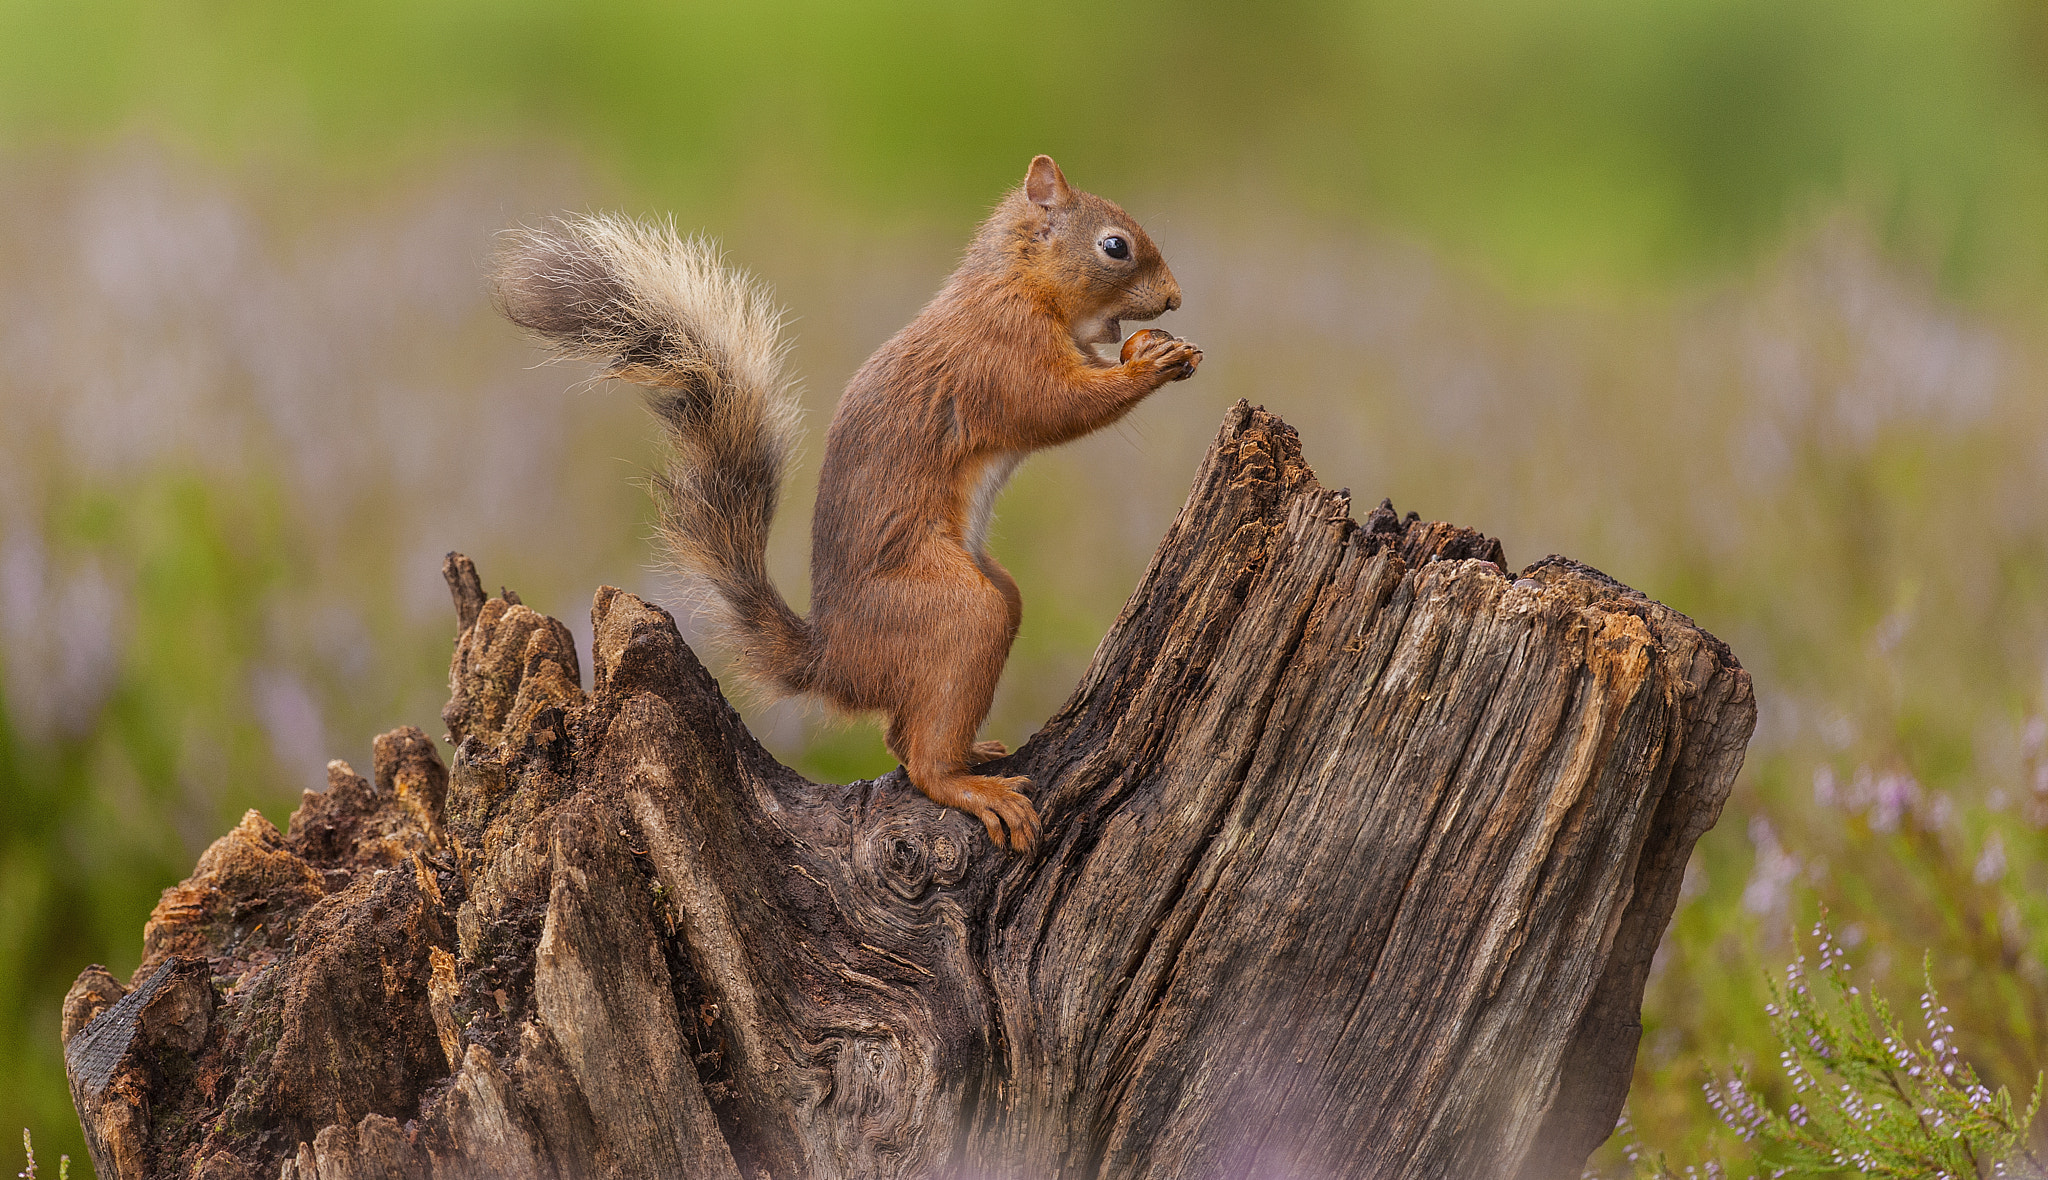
x=1045, y=185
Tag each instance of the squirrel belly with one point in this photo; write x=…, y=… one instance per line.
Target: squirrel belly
x=910, y=616
x=987, y=483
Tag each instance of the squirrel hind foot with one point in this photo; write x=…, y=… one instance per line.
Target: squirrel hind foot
x=998, y=802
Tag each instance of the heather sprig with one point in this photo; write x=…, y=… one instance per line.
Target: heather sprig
x=1867, y=1097
x=28, y=1145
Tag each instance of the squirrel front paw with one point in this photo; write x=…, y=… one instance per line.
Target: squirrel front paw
x=1163, y=353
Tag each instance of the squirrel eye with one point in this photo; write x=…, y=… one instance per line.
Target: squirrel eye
x=1116, y=247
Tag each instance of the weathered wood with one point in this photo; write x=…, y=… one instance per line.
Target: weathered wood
x=1357, y=850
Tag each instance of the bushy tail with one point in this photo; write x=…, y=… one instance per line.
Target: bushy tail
x=660, y=311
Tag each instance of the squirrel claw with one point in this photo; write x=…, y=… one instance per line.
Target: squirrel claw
x=1022, y=823
x=986, y=752
x=999, y=804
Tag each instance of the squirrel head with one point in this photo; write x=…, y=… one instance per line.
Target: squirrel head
x=1096, y=264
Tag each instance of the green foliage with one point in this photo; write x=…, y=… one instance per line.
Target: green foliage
x=1899, y=862
x=98, y=810
x=1866, y=1096
x=1596, y=141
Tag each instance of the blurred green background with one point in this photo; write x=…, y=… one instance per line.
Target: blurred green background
x=1741, y=301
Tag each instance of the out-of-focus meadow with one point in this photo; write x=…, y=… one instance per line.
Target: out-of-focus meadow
x=1740, y=301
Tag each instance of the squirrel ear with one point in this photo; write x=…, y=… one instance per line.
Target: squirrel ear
x=1045, y=185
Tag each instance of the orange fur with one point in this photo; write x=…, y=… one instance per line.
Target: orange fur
x=910, y=616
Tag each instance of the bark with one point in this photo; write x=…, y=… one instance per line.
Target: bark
x=1357, y=849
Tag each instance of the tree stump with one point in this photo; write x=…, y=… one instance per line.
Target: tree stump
x=1356, y=853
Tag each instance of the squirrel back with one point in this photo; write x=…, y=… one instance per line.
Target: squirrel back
x=662, y=312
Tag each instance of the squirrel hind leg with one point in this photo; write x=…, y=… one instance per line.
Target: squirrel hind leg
x=978, y=753
x=936, y=751
x=928, y=651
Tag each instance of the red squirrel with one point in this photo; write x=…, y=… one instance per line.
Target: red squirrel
x=910, y=616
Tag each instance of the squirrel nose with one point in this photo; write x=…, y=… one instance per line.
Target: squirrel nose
x=1173, y=301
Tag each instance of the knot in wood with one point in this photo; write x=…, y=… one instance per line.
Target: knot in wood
x=910, y=857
